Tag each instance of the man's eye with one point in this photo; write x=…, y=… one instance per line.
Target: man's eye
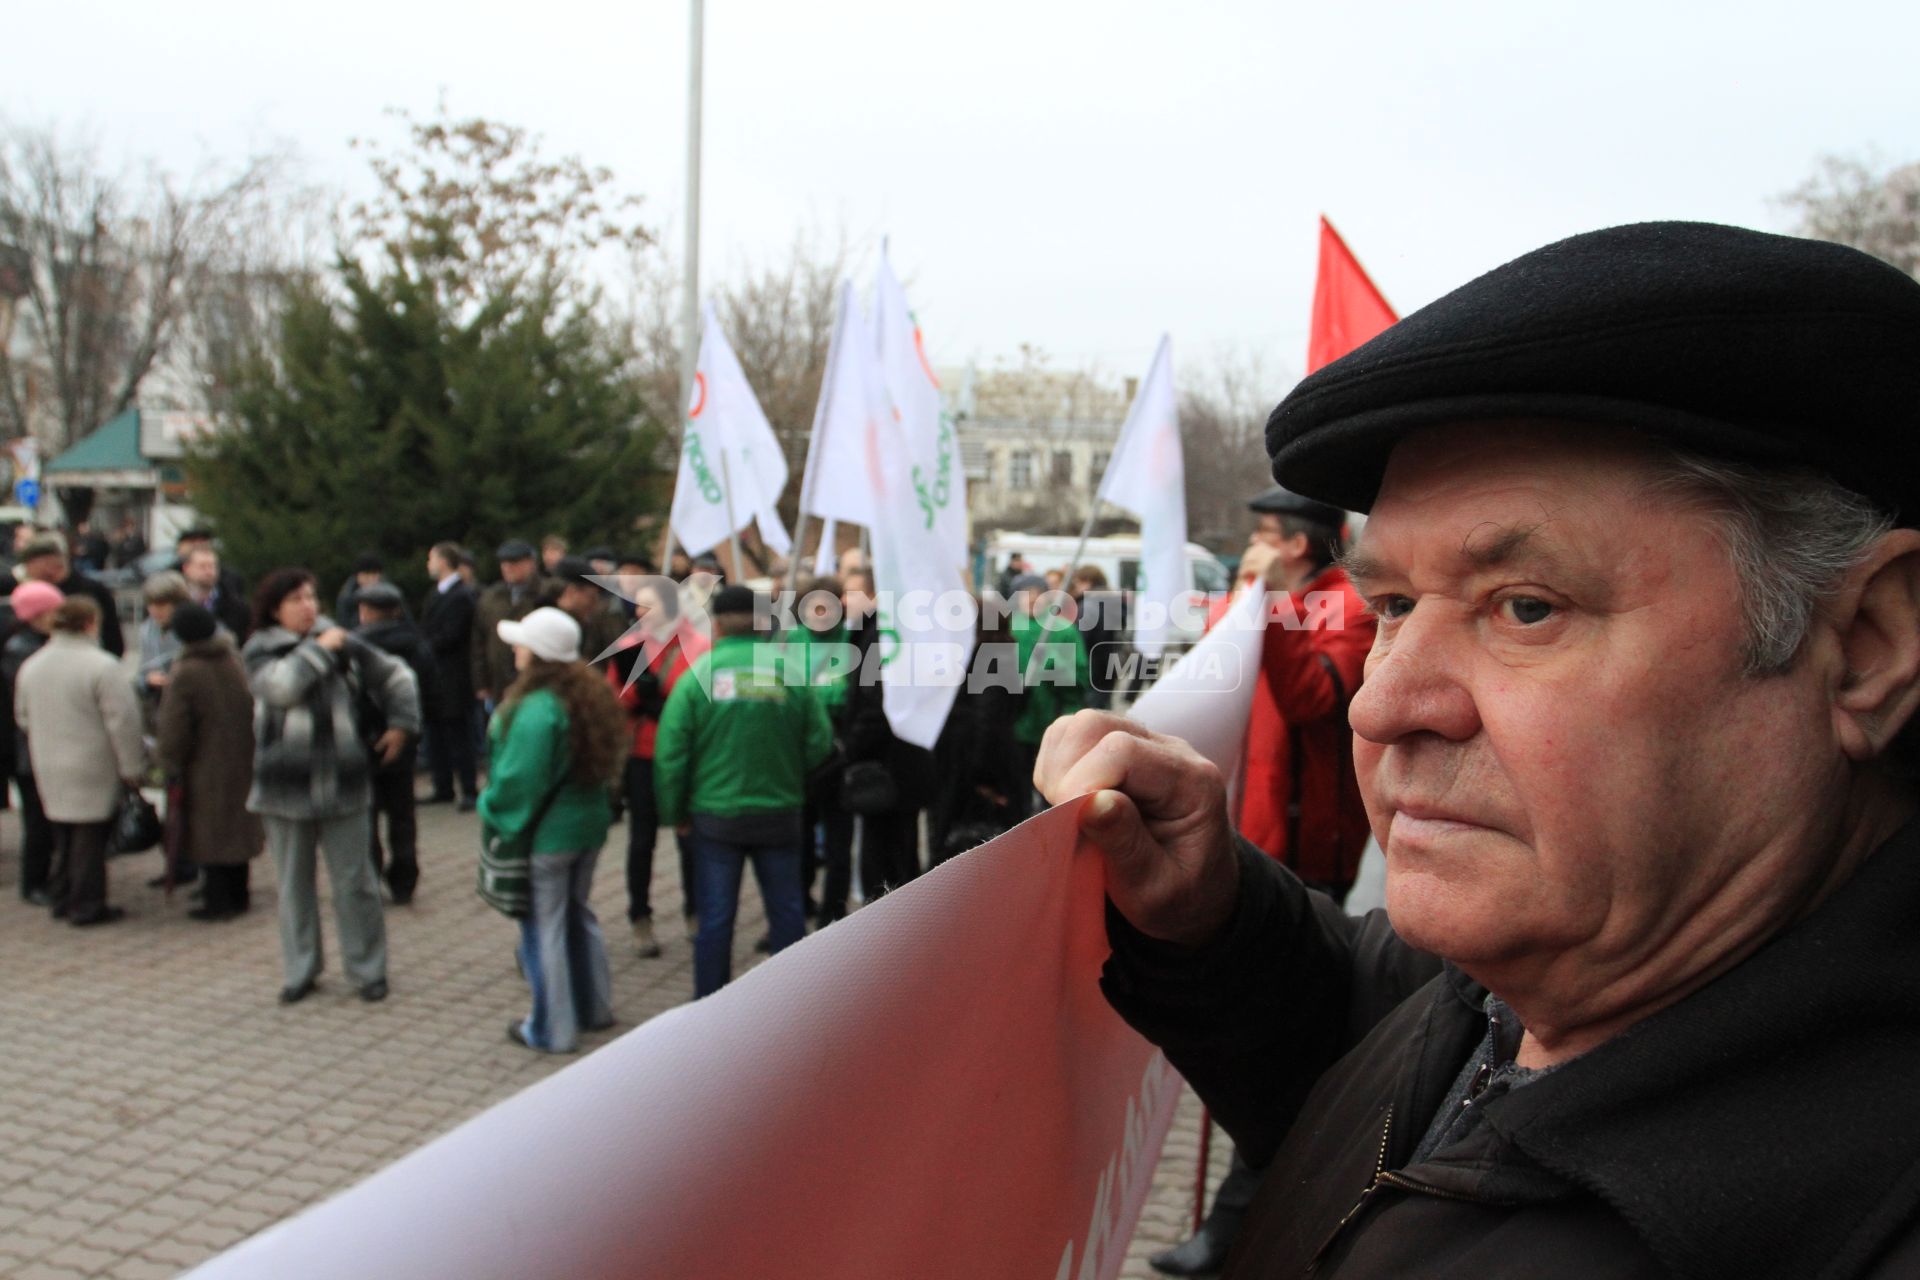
x=1392, y=606
x=1527, y=610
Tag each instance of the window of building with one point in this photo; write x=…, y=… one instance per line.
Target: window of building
x=1062, y=475
x=1020, y=469
x=1100, y=459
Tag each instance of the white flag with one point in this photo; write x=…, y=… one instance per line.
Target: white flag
x=731, y=466
x=837, y=487
x=1147, y=476
x=925, y=620
x=824, y=559
x=913, y=395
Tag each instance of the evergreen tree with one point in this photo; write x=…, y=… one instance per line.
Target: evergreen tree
x=448, y=380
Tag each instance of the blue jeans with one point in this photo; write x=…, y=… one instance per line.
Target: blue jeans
x=717, y=867
x=564, y=954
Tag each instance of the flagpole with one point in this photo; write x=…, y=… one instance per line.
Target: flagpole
x=820, y=409
x=690, y=302
x=1086, y=531
x=690, y=315
x=733, y=529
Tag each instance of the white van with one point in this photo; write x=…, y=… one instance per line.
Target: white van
x=1118, y=557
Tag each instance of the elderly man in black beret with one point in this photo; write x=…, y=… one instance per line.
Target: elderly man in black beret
x=1645, y=999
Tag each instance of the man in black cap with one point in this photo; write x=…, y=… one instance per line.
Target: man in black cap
x=369, y=567
x=573, y=591
x=1637, y=739
x=44, y=558
x=512, y=598
x=382, y=614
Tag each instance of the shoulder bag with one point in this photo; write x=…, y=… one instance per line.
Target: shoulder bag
x=506, y=873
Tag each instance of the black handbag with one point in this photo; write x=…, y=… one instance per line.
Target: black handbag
x=137, y=827
x=867, y=787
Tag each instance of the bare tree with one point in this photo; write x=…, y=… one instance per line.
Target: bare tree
x=474, y=205
x=1223, y=417
x=1850, y=201
x=778, y=315
x=102, y=265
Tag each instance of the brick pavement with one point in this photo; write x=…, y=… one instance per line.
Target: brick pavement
x=159, y=1105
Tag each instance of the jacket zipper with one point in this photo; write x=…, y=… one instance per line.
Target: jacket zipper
x=1383, y=1178
x=1366, y=1195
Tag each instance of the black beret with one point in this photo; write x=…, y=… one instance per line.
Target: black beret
x=732, y=600
x=572, y=569
x=192, y=623
x=1281, y=501
x=599, y=553
x=369, y=562
x=514, y=549
x=381, y=595
x=1731, y=343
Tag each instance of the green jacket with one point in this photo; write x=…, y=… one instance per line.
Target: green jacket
x=529, y=755
x=1045, y=658
x=735, y=737
x=816, y=652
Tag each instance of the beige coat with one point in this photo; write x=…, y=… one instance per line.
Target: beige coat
x=82, y=721
x=205, y=742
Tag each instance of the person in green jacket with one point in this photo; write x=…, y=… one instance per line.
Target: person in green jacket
x=1053, y=669
x=558, y=742
x=737, y=738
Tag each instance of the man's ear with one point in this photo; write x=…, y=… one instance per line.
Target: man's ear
x=1879, y=638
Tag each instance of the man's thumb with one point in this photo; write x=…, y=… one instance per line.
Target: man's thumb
x=1112, y=823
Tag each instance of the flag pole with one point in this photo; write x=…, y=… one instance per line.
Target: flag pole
x=733, y=529
x=1086, y=531
x=690, y=302
x=820, y=410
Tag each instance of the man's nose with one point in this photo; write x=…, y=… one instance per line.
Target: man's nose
x=1417, y=683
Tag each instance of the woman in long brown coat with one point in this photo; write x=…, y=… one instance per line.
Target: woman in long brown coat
x=205, y=731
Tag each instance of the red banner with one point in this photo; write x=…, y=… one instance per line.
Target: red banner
x=934, y=1087
x=1347, y=308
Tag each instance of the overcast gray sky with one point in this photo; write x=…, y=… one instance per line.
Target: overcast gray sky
x=1078, y=176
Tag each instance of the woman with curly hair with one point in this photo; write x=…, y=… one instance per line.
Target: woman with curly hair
x=559, y=740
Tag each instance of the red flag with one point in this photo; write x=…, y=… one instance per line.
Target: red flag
x=1347, y=308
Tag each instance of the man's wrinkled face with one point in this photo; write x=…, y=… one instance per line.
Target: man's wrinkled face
x=1556, y=744
x=517, y=573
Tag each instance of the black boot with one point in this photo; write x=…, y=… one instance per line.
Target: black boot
x=1204, y=1254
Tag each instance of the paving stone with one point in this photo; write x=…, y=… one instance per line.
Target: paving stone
x=161, y=1105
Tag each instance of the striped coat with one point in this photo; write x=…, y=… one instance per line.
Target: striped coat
x=309, y=761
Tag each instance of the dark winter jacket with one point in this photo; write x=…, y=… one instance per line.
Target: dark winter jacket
x=204, y=740
x=401, y=639
x=489, y=657
x=446, y=622
x=1765, y=1126
x=867, y=734
x=22, y=644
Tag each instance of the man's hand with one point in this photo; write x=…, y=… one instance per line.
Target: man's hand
x=156, y=679
x=1257, y=564
x=483, y=695
x=390, y=744
x=332, y=639
x=1158, y=817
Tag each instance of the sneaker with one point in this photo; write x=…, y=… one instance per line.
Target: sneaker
x=644, y=944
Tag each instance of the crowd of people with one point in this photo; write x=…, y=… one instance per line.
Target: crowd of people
x=555, y=701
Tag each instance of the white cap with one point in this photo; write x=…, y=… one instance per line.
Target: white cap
x=550, y=633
